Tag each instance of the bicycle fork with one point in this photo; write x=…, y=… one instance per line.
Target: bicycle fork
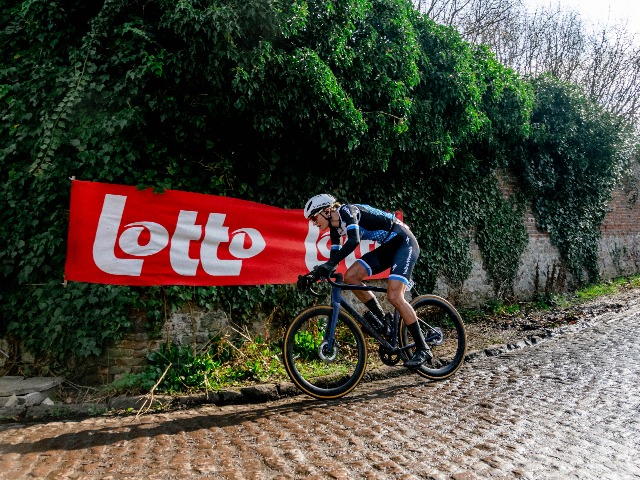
x=328, y=349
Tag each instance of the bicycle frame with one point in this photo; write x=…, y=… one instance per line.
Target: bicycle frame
x=338, y=302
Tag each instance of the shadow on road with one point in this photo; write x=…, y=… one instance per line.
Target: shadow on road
x=204, y=417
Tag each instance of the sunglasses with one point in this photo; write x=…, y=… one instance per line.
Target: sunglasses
x=314, y=218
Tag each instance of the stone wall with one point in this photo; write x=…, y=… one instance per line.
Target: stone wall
x=539, y=271
x=540, y=268
x=192, y=328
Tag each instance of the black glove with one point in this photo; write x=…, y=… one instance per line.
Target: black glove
x=324, y=270
x=305, y=281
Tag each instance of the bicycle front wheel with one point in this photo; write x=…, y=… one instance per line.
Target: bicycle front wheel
x=317, y=370
x=443, y=331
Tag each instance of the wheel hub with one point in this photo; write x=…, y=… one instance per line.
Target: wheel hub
x=328, y=355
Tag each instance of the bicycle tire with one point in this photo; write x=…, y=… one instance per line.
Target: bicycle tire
x=319, y=377
x=448, y=345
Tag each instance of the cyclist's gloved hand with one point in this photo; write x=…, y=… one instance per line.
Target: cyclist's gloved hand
x=304, y=282
x=324, y=270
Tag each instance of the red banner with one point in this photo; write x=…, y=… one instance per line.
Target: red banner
x=124, y=236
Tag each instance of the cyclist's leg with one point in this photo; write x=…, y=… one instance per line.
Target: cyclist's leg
x=395, y=293
x=405, y=258
x=355, y=275
x=374, y=314
x=372, y=263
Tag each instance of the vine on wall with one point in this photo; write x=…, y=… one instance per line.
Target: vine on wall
x=273, y=101
x=577, y=153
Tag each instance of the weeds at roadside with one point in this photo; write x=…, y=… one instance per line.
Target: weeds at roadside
x=591, y=292
x=500, y=308
x=222, y=362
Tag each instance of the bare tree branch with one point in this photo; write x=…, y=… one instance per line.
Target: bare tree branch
x=604, y=61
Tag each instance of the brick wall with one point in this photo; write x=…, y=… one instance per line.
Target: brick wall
x=540, y=267
x=620, y=233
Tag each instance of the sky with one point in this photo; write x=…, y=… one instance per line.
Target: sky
x=609, y=12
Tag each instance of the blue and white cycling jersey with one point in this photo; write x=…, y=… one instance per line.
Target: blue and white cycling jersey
x=370, y=223
x=398, y=247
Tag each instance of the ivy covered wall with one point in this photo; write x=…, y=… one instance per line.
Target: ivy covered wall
x=268, y=101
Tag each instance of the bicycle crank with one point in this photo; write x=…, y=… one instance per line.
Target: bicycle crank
x=387, y=357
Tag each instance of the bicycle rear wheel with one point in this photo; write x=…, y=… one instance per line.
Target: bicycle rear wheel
x=443, y=331
x=311, y=366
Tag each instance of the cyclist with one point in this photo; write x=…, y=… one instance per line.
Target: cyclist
x=398, y=250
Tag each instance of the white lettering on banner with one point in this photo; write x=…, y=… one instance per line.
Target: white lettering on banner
x=318, y=247
x=106, y=236
x=130, y=244
x=187, y=231
x=236, y=248
x=215, y=234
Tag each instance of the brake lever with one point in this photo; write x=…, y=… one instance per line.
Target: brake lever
x=315, y=293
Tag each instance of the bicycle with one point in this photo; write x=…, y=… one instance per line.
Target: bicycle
x=325, y=352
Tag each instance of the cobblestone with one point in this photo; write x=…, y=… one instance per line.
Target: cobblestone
x=567, y=407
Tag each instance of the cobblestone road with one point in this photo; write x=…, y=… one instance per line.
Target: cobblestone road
x=566, y=408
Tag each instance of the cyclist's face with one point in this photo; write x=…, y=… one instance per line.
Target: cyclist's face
x=320, y=220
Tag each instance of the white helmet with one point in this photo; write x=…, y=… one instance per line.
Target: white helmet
x=318, y=203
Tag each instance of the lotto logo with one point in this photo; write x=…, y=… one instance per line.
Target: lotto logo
x=142, y=239
x=125, y=236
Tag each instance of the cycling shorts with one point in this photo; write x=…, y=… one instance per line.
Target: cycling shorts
x=400, y=254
